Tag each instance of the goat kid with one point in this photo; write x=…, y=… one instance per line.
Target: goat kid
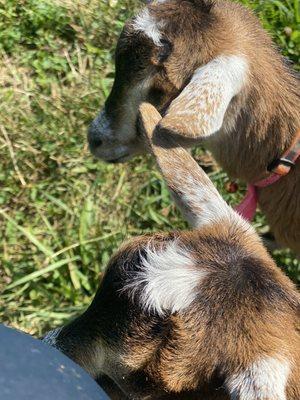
x=217, y=79
x=203, y=314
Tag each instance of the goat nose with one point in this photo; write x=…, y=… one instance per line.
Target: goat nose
x=95, y=141
x=94, y=137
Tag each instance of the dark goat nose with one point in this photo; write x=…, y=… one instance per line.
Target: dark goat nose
x=94, y=137
x=95, y=141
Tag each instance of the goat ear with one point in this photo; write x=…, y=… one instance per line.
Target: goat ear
x=200, y=108
x=190, y=187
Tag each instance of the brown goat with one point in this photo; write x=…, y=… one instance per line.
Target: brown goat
x=216, y=77
x=196, y=315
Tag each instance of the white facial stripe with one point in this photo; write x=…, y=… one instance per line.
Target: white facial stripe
x=118, y=142
x=264, y=379
x=130, y=109
x=168, y=280
x=147, y=24
x=202, y=104
x=126, y=130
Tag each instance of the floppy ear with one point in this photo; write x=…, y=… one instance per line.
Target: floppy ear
x=193, y=191
x=200, y=108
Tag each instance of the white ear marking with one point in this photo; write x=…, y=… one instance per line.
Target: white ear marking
x=211, y=205
x=147, y=24
x=202, y=105
x=167, y=280
x=264, y=379
x=201, y=203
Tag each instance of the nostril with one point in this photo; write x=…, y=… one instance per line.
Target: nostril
x=95, y=141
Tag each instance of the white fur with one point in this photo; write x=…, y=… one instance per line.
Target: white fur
x=204, y=101
x=117, y=139
x=168, y=279
x=224, y=77
x=210, y=204
x=147, y=24
x=201, y=203
x=135, y=96
x=51, y=337
x=265, y=379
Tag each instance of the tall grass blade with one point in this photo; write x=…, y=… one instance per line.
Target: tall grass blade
x=37, y=274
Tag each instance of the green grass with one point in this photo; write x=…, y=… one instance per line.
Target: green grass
x=61, y=213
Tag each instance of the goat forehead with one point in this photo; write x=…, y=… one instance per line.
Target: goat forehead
x=146, y=23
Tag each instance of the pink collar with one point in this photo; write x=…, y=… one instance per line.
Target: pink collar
x=280, y=168
x=247, y=208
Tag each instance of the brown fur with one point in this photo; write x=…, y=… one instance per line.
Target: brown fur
x=245, y=308
x=261, y=120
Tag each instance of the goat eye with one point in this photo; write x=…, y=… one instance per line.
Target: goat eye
x=164, y=50
x=155, y=96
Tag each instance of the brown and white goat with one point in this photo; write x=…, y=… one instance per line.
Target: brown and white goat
x=202, y=314
x=216, y=77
